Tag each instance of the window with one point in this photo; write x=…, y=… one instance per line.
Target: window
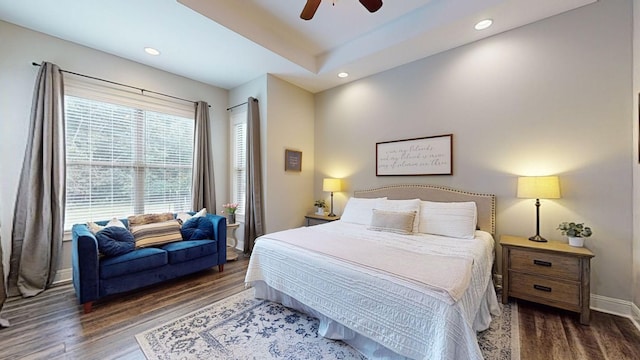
x=126, y=154
x=239, y=159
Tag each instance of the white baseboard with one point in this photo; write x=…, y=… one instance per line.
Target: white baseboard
x=63, y=276
x=635, y=315
x=618, y=307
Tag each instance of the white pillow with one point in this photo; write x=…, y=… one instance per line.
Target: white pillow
x=182, y=217
x=453, y=219
x=94, y=228
x=116, y=222
x=360, y=210
x=403, y=206
x=399, y=222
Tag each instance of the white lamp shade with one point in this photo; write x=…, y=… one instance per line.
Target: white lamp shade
x=331, y=185
x=538, y=187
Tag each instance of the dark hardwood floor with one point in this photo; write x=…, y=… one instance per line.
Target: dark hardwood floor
x=52, y=325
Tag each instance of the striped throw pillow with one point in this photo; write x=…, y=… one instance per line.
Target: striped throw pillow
x=156, y=233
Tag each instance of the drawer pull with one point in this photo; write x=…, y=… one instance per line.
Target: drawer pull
x=542, y=288
x=542, y=263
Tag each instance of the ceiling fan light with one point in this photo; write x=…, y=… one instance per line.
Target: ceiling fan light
x=483, y=24
x=151, y=51
x=343, y=75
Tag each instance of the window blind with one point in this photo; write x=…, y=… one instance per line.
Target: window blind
x=239, y=159
x=124, y=160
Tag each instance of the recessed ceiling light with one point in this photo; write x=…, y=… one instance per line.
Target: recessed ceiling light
x=343, y=75
x=483, y=24
x=151, y=51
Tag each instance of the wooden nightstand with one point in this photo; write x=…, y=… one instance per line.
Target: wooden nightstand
x=550, y=273
x=315, y=219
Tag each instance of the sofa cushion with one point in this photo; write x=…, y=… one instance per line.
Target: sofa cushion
x=115, y=240
x=197, y=228
x=156, y=233
x=190, y=249
x=132, y=262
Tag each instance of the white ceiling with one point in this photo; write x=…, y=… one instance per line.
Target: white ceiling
x=227, y=43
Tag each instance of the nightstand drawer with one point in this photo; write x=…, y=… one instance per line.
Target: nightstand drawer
x=556, y=291
x=558, y=266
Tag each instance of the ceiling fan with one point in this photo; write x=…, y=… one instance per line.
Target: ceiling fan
x=312, y=5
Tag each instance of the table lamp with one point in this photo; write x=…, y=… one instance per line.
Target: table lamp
x=538, y=187
x=331, y=185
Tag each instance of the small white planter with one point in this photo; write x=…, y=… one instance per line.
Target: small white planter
x=576, y=241
x=320, y=211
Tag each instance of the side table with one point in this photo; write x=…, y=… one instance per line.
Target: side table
x=550, y=273
x=316, y=219
x=232, y=241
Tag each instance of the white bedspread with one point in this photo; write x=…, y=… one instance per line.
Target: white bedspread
x=406, y=317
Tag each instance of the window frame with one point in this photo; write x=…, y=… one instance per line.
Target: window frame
x=237, y=117
x=93, y=90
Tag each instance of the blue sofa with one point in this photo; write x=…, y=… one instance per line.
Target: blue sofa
x=96, y=276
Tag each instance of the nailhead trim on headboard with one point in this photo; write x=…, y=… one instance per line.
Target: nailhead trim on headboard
x=486, y=203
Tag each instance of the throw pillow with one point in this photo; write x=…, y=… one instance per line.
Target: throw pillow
x=149, y=218
x=358, y=210
x=156, y=233
x=115, y=222
x=453, y=219
x=399, y=222
x=94, y=228
x=182, y=217
x=403, y=205
x=197, y=228
x=115, y=240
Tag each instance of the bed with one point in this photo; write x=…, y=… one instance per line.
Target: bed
x=405, y=273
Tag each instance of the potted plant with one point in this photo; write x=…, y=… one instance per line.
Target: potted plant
x=230, y=210
x=320, y=205
x=575, y=232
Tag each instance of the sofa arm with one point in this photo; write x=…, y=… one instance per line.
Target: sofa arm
x=220, y=234
x=84, y=262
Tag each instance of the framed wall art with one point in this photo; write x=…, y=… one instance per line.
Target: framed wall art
x=292, y=160
x=412, y=157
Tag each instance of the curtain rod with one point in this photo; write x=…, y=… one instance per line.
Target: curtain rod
x=142, y=91
x=244, y=103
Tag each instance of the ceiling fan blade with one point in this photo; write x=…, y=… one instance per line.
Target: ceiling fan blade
x=372, y=5
x=309, y=9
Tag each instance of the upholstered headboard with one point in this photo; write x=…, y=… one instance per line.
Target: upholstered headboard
x=485, y=203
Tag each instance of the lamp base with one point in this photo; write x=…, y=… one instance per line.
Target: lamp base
x=332, y=215
x=538, y=238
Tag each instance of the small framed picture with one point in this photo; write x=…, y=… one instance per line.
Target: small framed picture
x=292, y=160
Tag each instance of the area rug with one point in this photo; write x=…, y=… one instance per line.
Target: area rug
x=241, y=327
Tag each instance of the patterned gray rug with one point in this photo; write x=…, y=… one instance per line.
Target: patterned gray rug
x=241, y=327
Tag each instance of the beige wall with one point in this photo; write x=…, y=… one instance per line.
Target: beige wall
x=548, y=98
x=287, y=121
x=19, y=47
x=291, y=123
x=636, y=169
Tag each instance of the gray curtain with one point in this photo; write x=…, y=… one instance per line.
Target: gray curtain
x=253, y=225
x=38, y=217
x=203, y=184
x=3, y=292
